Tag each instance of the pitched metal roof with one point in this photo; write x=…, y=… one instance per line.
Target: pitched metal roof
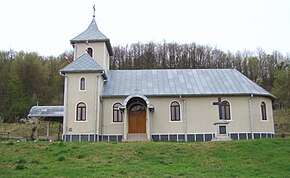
x=46, y=111
x=85, y=63
x=93, y=34
x=172, y=82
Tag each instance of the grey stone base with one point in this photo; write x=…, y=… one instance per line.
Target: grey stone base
x=91, y=138
x=164, y=137
x=209, y=137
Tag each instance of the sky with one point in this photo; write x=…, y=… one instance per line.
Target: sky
x=47, y=26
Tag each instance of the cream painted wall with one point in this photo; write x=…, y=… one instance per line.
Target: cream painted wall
x=100, y=52
x=258, y=124
x=201, y=115
x=110, y=127
x=88, y=96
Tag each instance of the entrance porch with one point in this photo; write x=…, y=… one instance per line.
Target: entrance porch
x=137, y=113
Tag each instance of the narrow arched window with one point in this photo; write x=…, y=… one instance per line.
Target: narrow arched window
x=226, y=112
x=90, y=51
x=175, y=111
x=81, y=112
x=83, y=84
x=263, y=111
x=117, y=115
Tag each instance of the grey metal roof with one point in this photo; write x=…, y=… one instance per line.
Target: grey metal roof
x=46, y=111
x=171, y=82
x=93, y=34
x=85, y=63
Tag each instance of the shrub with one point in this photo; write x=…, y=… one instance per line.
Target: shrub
x=61, y=158
x=20, y=167
x=10, y=143
x=80, y=156
x=21, y=161
x=35, y=161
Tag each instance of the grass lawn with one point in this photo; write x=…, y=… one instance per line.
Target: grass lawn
x=246, y=158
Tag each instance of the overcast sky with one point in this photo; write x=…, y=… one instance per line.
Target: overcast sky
x=46, y=26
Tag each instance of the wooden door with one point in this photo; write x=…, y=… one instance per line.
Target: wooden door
x=137, y=122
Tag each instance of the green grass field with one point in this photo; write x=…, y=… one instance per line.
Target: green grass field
x=248, y=158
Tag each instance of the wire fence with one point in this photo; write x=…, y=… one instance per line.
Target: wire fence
x=41, y=131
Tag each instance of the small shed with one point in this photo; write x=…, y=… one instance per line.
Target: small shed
x=47, y=114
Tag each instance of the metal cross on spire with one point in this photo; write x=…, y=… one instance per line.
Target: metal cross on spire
x=94, y=11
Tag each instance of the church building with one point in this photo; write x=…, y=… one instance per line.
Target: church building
x=160, y=104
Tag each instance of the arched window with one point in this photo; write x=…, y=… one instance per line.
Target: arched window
x=263, y=111
x=225, y=109
x=81, y=112
x=90, y=51
x=117, y=115
x=83, y=84
x=175, y=111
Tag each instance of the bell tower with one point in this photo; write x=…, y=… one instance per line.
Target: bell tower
x=95, y=43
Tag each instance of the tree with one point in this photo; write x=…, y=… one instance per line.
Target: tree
x=281, y=88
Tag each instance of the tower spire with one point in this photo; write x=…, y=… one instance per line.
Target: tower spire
x=94, y=11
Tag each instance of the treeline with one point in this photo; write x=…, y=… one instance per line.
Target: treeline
x=28, y=79
x=271, y=71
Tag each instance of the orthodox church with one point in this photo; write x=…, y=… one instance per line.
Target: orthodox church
x=165, y=104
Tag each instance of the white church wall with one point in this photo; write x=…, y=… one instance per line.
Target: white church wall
x=258, y=124
x=100, y=53
x=110, y=127
x=201, y=115
x=75, y=96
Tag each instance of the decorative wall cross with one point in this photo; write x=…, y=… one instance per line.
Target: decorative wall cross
x=219, y=103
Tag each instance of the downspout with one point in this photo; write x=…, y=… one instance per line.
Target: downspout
x=184, y=117
x=65, y=106
x=102, y=118
x=96, y=108
x=251, y=115
x=97, y=105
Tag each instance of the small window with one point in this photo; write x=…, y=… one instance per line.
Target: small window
x=90, y=51
x=83, y=84
x=263, y=111
x=175, y=111
x=117, y=115
x=222, y=129
x=81, y=112
x=226, y=112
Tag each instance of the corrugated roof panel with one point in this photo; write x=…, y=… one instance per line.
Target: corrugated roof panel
x=85, y=63
x=180, y=81
x=46, y=111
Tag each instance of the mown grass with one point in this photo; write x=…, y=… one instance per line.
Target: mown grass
x=248, y=158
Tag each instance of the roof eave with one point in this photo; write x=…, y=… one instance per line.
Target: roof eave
x=272, y=97
x=104, y=75
x=81, y=71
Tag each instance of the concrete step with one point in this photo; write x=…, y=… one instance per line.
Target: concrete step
x=221, y=138
x=137, y=137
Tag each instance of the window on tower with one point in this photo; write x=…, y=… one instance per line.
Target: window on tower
x=83, y=84
x=90, y=51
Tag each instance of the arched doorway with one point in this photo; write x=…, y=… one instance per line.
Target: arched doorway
x=136, y=115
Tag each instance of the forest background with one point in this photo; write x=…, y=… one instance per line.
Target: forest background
x=28, y=79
